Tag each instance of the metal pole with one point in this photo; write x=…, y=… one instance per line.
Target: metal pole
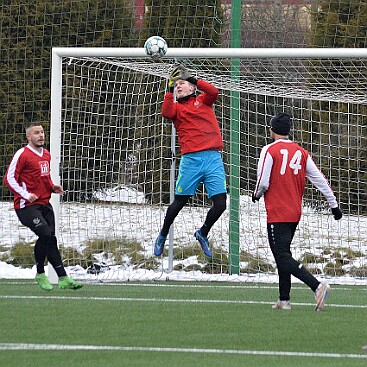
x=234, y=175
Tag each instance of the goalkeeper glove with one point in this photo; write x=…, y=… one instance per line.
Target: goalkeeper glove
x=180, y=72
x=175, y=75
x=185, y=75
x=337, y=213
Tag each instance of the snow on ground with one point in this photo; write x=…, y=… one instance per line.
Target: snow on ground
x=142, y=222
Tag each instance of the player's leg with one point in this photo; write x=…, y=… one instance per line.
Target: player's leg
x=214, y=180
x=40, y=219
x=219, y=206
x=53, y=252
x=31, y=217
x=321, y=290
x=279, y=241
x=178, y=203
x=299, y=271
x=280, y=236
x=171, y=213
x=50, y=241
x=189, y=178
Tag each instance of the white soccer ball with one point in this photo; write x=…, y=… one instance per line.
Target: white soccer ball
x=155, y=46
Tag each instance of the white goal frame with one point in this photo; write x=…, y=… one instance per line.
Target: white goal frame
x=58, y=53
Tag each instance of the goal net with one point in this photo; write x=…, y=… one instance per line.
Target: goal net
x=118, y=159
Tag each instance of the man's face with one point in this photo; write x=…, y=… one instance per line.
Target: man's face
x=183, y=88
x=36, y=136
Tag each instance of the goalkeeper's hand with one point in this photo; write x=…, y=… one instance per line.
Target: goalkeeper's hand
x=175, y=75
x=180, y=72
x=337, y=213
x=184, y=73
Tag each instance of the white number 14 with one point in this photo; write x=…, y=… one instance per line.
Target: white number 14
x=294, y=164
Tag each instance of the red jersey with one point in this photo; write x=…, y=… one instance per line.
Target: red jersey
x=281, y=177
x=194, y=119
x=29, y=173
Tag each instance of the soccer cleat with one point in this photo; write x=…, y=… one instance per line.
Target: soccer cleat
x=204, y=242
x=282, y=305
x=320, y=295
x=69, y=283
x=43, y=282
x=159, y=245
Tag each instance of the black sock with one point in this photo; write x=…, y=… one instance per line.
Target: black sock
x=204, y=230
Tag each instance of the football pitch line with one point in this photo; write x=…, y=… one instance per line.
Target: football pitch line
x=58, y=347
x=296, y=286
x=172, y=300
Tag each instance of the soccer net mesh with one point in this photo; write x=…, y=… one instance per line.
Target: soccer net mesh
x=118, y=157
x=119, y=160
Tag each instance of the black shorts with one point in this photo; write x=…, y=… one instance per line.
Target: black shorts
x=39, y=218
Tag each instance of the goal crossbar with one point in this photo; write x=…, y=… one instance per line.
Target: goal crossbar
x=214, y=52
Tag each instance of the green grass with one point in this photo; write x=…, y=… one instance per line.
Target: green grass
x=173, y=319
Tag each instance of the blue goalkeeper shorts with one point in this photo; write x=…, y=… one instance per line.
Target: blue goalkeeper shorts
x=201, y=167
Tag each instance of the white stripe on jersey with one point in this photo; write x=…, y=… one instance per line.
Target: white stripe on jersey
x=21, y=190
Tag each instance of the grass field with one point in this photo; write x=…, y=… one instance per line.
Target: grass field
x=179, y=324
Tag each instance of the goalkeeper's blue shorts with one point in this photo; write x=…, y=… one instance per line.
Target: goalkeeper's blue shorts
x=201, y=167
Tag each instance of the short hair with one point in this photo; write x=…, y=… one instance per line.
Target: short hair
x=32, y=124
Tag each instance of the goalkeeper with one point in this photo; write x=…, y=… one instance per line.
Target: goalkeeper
x=200, y=142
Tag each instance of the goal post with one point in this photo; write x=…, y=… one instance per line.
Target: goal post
x=108, y=139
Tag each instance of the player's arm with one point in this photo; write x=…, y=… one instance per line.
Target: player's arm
x=321, y=183
x=210, y=92
x=264, y=168
x=168, y=106
x=11, y=178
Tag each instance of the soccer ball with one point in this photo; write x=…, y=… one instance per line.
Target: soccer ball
x=155, y=46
